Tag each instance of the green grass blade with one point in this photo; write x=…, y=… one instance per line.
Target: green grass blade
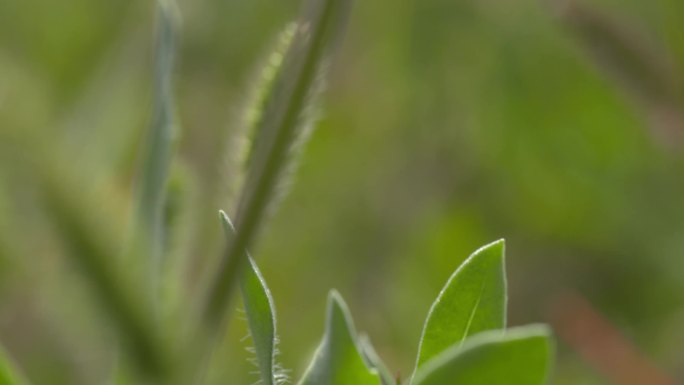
x=639, y=65
x=473, y=300
x=338, y=359
x=9, y=374
x=520, y=356
x=260, y=314
x=625, y=53
x=148, y=228
x=91, y=248
x=278, y=133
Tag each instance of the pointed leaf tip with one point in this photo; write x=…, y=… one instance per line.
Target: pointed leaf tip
x=338, y=360
x=260, y=310
x=336, y=306
x=169, y=10
x=226, y=222
x=496, y=249
x=473, y=300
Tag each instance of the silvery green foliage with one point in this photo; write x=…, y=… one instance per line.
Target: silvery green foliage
x=464, y=340
x=260, y=310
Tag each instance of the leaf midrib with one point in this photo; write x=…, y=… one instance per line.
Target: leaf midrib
x=472, y=313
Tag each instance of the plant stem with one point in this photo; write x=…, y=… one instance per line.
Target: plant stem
x=280, y=124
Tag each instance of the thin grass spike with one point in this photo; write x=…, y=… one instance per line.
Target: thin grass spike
x=277, y=134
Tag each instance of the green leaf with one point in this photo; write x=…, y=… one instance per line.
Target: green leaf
x=519, y=356
x=8, y=374
x=473, y=300
x=337, y=360
x=260, y=314
x=261, y=317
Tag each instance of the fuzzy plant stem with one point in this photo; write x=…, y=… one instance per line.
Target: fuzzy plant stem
x=270, y=161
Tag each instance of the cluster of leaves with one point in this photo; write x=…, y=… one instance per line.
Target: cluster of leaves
x=464, y=341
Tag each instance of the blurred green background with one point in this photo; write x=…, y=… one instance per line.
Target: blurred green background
x=445, y=125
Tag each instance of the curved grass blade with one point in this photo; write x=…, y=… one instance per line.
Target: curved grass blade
x=520, y=356
x=260, y=314
x=338, y=360
x=9, y=375
x=473, y=300
x=278, y=132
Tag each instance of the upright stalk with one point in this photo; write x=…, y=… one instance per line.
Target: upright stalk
x=279, y=131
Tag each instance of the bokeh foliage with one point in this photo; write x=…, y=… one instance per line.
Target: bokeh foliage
x=446, y=125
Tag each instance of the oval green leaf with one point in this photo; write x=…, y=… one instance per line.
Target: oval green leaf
x=337, y=360
x=473, y=300
x=520, y=356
